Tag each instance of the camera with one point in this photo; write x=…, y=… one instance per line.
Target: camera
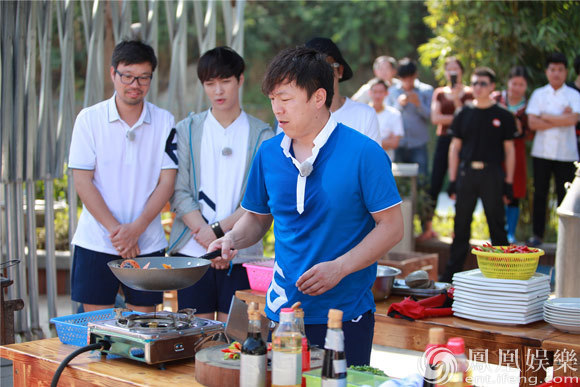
x=453, y=78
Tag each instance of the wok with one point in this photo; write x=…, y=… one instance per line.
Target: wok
x=184, y=272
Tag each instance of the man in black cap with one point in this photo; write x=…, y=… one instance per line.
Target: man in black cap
x=356, y=115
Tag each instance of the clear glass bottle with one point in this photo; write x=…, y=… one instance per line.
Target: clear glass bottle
x=287, y=351
x=254, y=352
x=334, y=363
x=299, y=315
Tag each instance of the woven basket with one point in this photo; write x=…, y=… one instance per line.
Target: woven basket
x=518, y=266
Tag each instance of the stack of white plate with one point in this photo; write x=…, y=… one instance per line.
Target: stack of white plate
x=499, y=301
x=563, y=314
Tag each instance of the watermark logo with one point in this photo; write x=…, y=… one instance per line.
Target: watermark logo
x=446, y=365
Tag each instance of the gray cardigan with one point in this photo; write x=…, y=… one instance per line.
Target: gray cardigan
x=184, y=199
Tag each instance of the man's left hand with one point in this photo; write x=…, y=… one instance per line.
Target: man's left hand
x=320, y=278
x=125, y=237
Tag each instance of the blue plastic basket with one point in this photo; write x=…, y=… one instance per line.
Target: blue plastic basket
x=73, y=329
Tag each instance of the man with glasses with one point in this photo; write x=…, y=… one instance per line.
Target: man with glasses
x=482, y=140
x=123, y=159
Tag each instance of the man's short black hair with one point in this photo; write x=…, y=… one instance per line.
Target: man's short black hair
x=220, y=62
x=133, y=52
x=304, y=66
x=577, y=65
x=557, y=57
x=406, y=68
x=518, y=71
x=378, y=81
x=485, y=72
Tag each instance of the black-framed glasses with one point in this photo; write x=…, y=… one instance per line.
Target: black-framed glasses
x=480, y=83
x=127, y=79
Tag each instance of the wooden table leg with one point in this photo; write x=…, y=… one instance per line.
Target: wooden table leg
x=533, y=364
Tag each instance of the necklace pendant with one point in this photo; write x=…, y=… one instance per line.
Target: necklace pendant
x=227, y=151
x=130, y=135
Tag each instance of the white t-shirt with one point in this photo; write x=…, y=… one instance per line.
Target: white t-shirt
x=360, y=117
x=127, y=162
x=557, y=143
x=390, y=123
x=223, y=163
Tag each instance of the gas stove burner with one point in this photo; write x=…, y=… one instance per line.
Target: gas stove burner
x=158, y=321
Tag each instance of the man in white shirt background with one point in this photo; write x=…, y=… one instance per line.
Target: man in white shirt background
x=390, y=121
x=553, y=112
x=124, y=165
x=353, y=114
x=385, y=69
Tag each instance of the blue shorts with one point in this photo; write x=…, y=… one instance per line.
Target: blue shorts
x=358, y=338
x=92, y=282
x=214, y=291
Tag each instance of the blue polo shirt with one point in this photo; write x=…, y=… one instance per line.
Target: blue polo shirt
x=351, y=179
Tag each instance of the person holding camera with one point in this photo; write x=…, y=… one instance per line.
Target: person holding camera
x=483, y=135
x=447, y=100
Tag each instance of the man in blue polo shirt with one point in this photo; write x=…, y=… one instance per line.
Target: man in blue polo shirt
x=334, y=201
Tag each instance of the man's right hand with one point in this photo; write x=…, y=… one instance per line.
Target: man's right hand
x=205, y=235
x=225, y=244
x=452, y=190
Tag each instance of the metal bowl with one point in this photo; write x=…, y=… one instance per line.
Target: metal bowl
x=384, y=282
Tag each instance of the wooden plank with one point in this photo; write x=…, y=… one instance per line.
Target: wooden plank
x=36, y=361
x=565, y=348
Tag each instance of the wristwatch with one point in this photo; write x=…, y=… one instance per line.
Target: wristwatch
x=217, y=229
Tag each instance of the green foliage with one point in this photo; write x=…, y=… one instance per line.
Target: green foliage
x=60, y=232
x=268, y=241
x=501, y=34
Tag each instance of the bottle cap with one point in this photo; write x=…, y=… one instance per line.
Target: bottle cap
x=253, y=312
x=298, y=311
x=456, y=345
x=437, y=336
x=287, y=310
x=334, y=318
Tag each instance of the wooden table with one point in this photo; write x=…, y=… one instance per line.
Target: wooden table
x=513, y=346
x=35, y=362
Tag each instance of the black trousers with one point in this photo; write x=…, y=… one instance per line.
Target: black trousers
x=486, y=184
x=440, y=165
x=563, y=171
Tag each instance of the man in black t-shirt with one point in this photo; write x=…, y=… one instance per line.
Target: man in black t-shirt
x=482, y=140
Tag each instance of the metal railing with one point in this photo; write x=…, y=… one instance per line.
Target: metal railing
x=36, y=126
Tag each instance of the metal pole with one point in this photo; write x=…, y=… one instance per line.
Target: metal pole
x=50, y=247
x=19, y=206
x=32, y=263
x=72, y=226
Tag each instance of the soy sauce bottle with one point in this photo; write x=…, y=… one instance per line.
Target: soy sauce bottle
x=254, y=352
x=299, y=315
x=334, y=363
x=436, y=342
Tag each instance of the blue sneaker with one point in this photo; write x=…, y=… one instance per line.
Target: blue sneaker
x=534, y=241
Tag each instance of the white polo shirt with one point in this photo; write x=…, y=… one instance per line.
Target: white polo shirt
x=390, y=123
x=360, y=117
x=126, y=169
x=223, y=163
x=557, y=143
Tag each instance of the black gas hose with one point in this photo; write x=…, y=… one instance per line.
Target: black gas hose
x=61, y=367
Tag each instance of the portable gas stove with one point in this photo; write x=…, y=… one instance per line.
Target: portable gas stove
x=154, y=338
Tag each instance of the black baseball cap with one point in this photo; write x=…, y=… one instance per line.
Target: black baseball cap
x=327, y=46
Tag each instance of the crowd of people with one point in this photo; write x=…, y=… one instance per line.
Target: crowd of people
x=325, y=179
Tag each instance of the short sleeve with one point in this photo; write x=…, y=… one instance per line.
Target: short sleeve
x=82, y=153
x=509, y=127
x=378, y=185
x=398, y=124
x=170, y=150
x=256, y=196
x=534, y=104
x=455, y=127
x=575, y=101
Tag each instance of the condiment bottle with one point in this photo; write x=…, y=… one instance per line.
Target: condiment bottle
x=287, y=351
x=299, y=314
x=436, y=341
x=334, y=363
x=254, y=352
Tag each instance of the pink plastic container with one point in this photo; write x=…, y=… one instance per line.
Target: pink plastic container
x=260, y=274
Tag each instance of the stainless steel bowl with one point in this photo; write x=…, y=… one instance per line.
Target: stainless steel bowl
x=384, y=282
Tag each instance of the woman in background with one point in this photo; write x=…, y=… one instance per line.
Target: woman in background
x=514, y=99
x=447, y=101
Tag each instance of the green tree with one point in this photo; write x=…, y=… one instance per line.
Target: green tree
x=501, y=34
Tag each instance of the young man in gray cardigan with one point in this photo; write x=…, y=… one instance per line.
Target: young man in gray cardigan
x=215, y=150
